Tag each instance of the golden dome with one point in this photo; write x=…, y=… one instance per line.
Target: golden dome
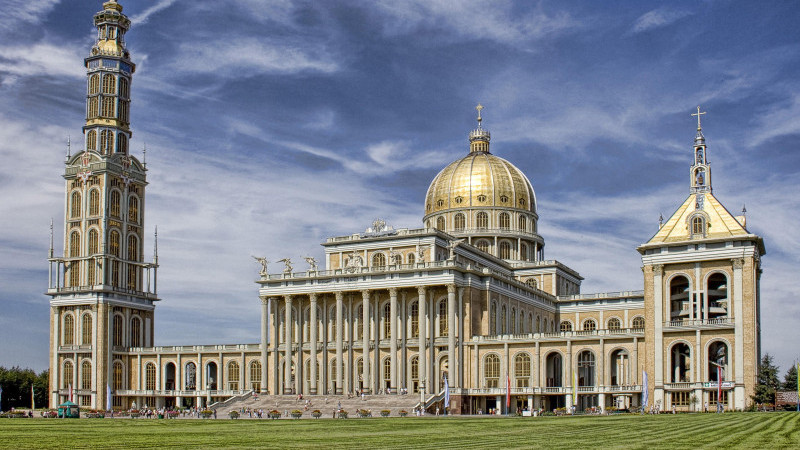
x=478, y=180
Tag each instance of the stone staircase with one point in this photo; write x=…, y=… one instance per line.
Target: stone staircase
x=284, y=403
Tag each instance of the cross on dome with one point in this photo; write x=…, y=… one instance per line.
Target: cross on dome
x=698, y=114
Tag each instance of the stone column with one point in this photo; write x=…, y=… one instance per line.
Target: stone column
x=313, y=335
x=452, y=358
x=393, y=339
x=264, y=342
x=274, y=339
x=459, y=380
x=738, y=327
x=365, y=383
x=287, y=343
x=55, y=375
x=658, y=338
x=339, y=344
x=423, y=356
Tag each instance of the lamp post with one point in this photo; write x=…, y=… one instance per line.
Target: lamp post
x=719, y=383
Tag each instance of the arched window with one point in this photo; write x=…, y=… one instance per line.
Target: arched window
x=411, y=258
x=440, y=222
x=109, y=84
x=136, y=337
x=68, y=374
x=620, y=368
x=116, y=378
x=94, y=202
x=233, y=376
x=505, y=250
x=538, y=325
x=93, y=108
x=505, y=221
x=681, y=358
x=133, y=209
x=513, y=327
x=522, y=223
x=133, y=255
x=492, y=319
x=74, y=266
x=586, y=368
x=69, y=330
x=523, y=252
x=86, y=329
x=387, y=321
x=532, y=283
x=117, y=330
x=717, y=290
x=94, y=244
x=483, y=245
x=415, y=374
x=566, y=326
x=124, y=88
x=522, y=369
x=191, y=376
x=491, y=371
x=150, y=377
x=443, y=318
x=75, y=205
x=717, y=361
x=107, y=107
x=106, y=141
x=378, y=260
x=122, y=143
x=698, y=226
x=114, y=204
x=387, y=371
x=94, y=84
x=363, y=326
x=460, y=222
x=614, y=324
x=482, y=220
x=503, y=319
x=414, y=319
x=255, y=376
x=638, y=323
x=113, y=244
x=86, y=375
x=589, y=325
x=123, y=108
x=91, y=139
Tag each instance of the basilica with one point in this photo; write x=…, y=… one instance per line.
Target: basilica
x=465, y=308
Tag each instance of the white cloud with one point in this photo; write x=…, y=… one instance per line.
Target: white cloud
x=144, y=16
x=43, y=59
x=658, y=18
x=780, y=120
x=28, y=11
x=499, y=21
x=249, y=56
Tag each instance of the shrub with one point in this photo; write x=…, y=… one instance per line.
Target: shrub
x=274, y=414
x=234, y=414
x=316, y=414
x=385, y=413
x=342, y=414
x=296, y=414
x=403, y=413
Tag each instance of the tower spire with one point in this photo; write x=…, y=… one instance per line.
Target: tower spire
x=700, y=172
x=479, y=138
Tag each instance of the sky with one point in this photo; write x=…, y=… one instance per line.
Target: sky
x=272, y=125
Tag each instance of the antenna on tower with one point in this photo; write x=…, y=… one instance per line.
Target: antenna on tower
x=155, y=246
x=744, y=209
x=51, y=237
x=660, y=220
x=69, y=147
x=144, y=156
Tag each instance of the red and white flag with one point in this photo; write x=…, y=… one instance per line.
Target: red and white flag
x=70, y=392
x=508, y=392
x=719, y=385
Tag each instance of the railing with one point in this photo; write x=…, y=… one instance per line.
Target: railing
x=549, y=390
x=75, y=348
x=699, y=385
x=716, y=322
x=232, y=399
x=558, y=334
x=180, y=393
x=621, y=294
x=195, y=348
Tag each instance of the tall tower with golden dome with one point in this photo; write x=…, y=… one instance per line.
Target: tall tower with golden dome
x=102, y=291
x=487, y=201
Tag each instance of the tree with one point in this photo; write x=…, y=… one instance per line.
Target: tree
x=16, y=383
x=767, y=381
x=790, y=379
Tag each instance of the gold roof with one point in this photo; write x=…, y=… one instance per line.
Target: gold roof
x=721, y=223
x=480, y=179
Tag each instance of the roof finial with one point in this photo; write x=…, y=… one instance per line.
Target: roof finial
x=69, y=147
x=698, y=114
x=155, y=246
x=479, y=108
x=660, y=220
x=744, y=209
x=144, y=156
x=51, y=237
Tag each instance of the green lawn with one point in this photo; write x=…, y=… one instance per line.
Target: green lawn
x=742, y=430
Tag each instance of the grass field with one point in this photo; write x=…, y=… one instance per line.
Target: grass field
x=731, y=430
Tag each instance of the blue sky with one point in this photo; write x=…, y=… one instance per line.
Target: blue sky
x=273, y=125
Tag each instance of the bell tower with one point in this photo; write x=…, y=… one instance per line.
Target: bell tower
x=102, y=291
x=702, y=273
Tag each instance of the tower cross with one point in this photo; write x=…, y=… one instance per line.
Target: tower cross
x=479, y=108
x=698, y=114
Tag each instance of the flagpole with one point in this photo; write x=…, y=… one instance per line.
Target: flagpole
x=797, y=378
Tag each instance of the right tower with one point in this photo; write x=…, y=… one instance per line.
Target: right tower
x=702, y=301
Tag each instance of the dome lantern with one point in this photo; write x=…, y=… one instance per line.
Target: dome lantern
x=479, y=138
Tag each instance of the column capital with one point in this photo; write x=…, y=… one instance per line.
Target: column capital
x=393, y=292
x=288, y=298
x=738, y=263
x=339, y=295
x=421, y=291
x=658, y=269
x=313, y=297
x=264, y=300
x=365, y=294
x=451, y=288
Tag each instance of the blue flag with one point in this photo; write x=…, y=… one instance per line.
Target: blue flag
x=1, y=398
x=645, y=392
x=446, y=393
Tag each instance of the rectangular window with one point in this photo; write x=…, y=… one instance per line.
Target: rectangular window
x=712, y=398
x=680, y=398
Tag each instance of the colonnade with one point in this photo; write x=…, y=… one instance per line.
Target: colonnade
x=284, y=344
